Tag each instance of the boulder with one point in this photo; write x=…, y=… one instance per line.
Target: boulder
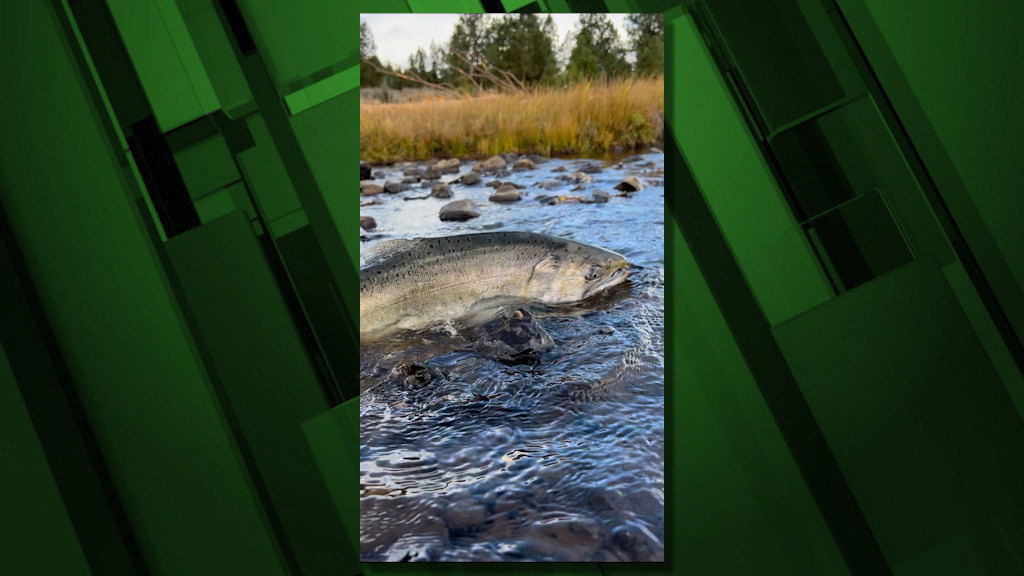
x=512, y=195
x=629, y=184
x=491, y=164
x=367, y=222
x=506, y=193
x=524, y=164
x=396, y=187
x=431, y=174
x=370, y=189
x=449, y=166
x=364, y=171
x=411, y=171
x=469, y=178
x=458, y=211
x=441, y=191
x=601, y=197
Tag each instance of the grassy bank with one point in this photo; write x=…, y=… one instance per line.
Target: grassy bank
x=585, y=119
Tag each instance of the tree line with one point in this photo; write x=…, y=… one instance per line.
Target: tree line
x=520, y=51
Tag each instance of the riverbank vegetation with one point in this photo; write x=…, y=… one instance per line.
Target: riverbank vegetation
x=504, y=83
x=587, y=119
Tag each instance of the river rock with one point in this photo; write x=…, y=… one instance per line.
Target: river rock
x=577, y=178
x=629, y=184
x=524, y=164
x=411, y=171
x=558, y=169
x=469, y=178
x=411, y=180
x=491, y=164
x=464, y=516
x=396, y=187
x=601, y=197
x=591, y=168
x=506, y=193
x=537, y=159
x=549, y=184
x=370, y=189
x=431, y=174
x=364, y=171
x=458, y=211
x=519, y=339
x=441, y=191
x=449, y=166
x=493, y=184
x=367, y=222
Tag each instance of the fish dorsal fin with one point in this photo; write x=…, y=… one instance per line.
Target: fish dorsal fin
x=382, y=251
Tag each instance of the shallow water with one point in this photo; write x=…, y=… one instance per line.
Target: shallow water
x=558, y=461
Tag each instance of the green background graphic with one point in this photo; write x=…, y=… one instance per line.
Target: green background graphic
x=845, y=378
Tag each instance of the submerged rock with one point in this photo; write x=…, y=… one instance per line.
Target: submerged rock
x=441, y=191
x=601, y=197
x=577, y=178
x=367, y=222
x=591, y=168
x=519, y=339
x=549, y=184
x=559, y=169
x=458, y=211
x=629, y=184
x=413, y=374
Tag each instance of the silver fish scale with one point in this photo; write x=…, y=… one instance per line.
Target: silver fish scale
x=440, y=279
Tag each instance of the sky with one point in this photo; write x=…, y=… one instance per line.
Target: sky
x=399, y=35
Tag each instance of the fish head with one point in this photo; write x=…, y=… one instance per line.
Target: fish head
x=576, y=274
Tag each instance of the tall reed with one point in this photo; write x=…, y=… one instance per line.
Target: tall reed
x=584, y=119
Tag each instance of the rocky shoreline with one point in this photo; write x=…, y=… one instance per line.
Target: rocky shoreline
x=512, y=177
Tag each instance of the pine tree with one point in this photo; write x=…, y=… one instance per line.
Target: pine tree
x=468, y=39
x=520, y=45
x=647, y=33
x=368, y=74
x=598, y=52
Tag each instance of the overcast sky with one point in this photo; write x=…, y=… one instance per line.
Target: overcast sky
x=399, y=35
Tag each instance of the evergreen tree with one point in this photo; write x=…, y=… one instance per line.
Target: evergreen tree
x=368, y=74
x=598, y=52
x=521, y=45
x=469, y=39
x=647, y=33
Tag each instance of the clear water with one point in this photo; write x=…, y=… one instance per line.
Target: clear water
x=562, y=461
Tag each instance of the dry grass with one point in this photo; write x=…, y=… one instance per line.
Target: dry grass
x=585, y=119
